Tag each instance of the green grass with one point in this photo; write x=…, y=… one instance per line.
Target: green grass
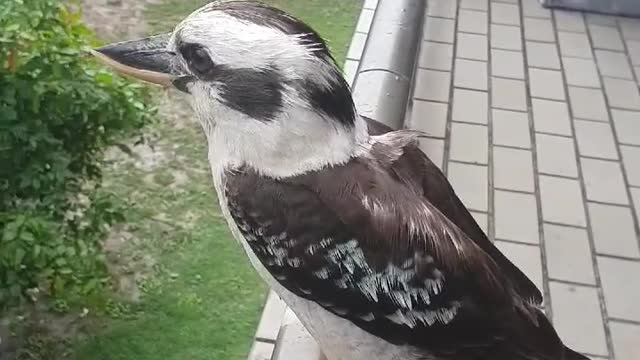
x=200, y=298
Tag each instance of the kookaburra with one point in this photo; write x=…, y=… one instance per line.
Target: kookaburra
x=349, y=222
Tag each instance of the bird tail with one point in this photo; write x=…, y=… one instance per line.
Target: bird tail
x=572, y=355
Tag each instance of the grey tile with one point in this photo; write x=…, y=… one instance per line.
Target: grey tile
x=562, y=201
x=551, y=117
x=595, y=139
x=569, y=255
x=437, y=29
x=473, y=21
x=506, y=37
x=588, y=104
x=603, y=20
x=271, y=318
x=470, y=183
x=516, y=217
x=538, y=30
x=606, y=37
x=508, y=14
x=508, y=94
x=365, y=20
x=526, y=258
x=630, y=28
x=357, y=46
x=512, y=169
x=442, y=8
x=622, y=93
x=546, y=84
x=482, y=5
x=471, y=74
x=637, y=71
x=621, y=293
x=482, y=219
x=350, y=70
x=432, y=85
x=574, y=44
x=614, y=64
x=469, y=143
x=633, y=46
x=581, y=72
x=434, y=148
x=576, y=308
x=635, y=195
x=507, y=63
x=261, y=351
x=532, y=8
x=556, y=155
x=429, y=117
x=613, y=230
x=569, y=21
x=470, y=106
x=631, y=161
x=625, y=339
x=511, y=128
x=627, y=124
x=436, y=56
x=472, y=46
x=603, y=181
x=544, y=55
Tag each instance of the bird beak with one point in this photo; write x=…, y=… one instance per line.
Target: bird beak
x=146, y=59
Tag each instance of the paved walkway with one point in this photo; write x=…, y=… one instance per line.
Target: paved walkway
x=534, y=115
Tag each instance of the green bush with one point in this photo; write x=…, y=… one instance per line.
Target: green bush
x=58, y=112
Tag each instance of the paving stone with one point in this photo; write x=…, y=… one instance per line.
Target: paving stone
x=614, y=64
x=271, y=318
x=622, y=93
x=508, y=94
x=634, y=51
x=432, y=85
x=635, y=194
x=507, y=63
x=516, y=217
x=429, y=117
x=627, y=124
x=482, y=5
x=631, y=161
x=508, y=14
x=472, y=46
x=350, y=70
x=546, y=84
x=581, y=72
x=442, y=8
x=471, y=74
x=569, y=255
x=630, y=28
x=513, y=169
x=365, y=20
x=595, y=139
x=576, y=308
x=473, y=21
x=436, y=56
x=600, y=19
x=506, y=37
x=532, y=8
x=470, y=106
x=357, y=46
x=543, y=55
x=434, y=148
x=588, y=104
x=569, y=21
x=469, y=143
x=575, y=45
x=613, y=230
x=482, y=219
x=551, y=117
x=556, y=155
x=526, y=258
x=562, y=201
x=603, y=181
x=261, y=351
x=606, y=37
x=470, y=183
x=626, y=338
x=437, y=29
x=538, y=30
x=621, y=293
x=511, y=128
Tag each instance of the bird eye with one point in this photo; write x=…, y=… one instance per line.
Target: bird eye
x=197, y=58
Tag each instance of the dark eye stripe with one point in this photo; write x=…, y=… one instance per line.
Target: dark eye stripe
x=197, y=59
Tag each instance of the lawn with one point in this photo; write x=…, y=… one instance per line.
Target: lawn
x=189, y=291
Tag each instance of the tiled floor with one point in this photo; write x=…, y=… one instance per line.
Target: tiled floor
x=535, y=117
